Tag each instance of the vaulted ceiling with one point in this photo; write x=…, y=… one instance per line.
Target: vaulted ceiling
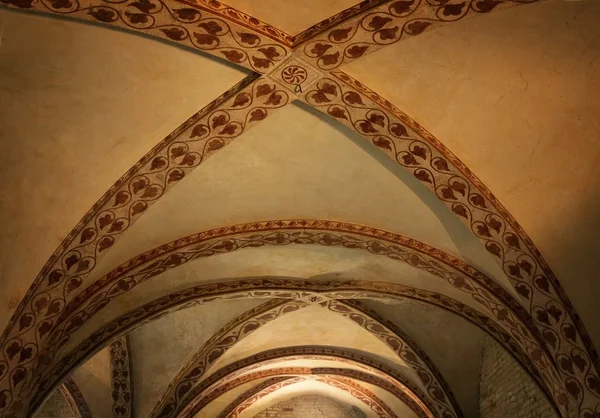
x=389, y=184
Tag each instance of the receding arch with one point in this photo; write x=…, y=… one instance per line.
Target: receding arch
x=270, y=386
x=483, y=291
x=199, y=365
x=268, y=288
x=244, y=370
x=75, y=398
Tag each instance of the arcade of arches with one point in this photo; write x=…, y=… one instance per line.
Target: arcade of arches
x=398, y=218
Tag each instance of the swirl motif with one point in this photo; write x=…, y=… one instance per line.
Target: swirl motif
x=294, y=74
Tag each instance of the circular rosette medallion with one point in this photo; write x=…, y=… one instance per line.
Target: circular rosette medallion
x=294, y=74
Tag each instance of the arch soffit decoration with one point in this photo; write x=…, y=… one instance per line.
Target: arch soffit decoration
x=430, y=381
x=272, y=385
x=491, y=300
x=276, y=288
x=407, y=143
x=161, y=259
x=75, y=399
x=121, y=378
x=264, y=364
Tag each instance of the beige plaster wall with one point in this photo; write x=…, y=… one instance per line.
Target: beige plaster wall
x=315, y=325
x=295, y=164
x=79, y=105
x=300, y=261
x=161, y=348
x=452, y=343
x=94, y=382
x=516, y=96
x=56, y=406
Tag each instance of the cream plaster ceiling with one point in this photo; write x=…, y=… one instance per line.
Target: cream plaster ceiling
x=160, y=348
x=519, y=107
x=100, y=100
x=94, y=382
x=514, y=95
x=315, y=325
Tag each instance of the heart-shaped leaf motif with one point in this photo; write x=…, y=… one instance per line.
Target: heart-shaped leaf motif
x=593, y=383
x=107, y=242
x=524, y=290
x=25, y=354
x=71, y=260
x=379, y=22
x=187, y=13
x=87, y=234
x=356, y=51
x=320, y=49
x=18, y=376
x=338, y=35
x=175, y=33
x=249, y=38
x=103, y=15
x=569, y=332
x=214, y=355
x=416, y=28
x=453, y=9
x=401, y=7
x=25, y=321
x=55, y=277
x=140, y=207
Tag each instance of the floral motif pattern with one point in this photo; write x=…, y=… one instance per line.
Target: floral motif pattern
x=205, y=25
x=351, y=103
x=463, y=277
x=387, y=23
x=371, y=372
x=196, y=368
x=248, y=398
x=220, y=30
x=121, y=378
x=27, y=345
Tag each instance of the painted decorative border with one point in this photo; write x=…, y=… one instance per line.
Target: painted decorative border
x=207, y=29
x=355, y=237
x=244, y=371
x=75, y=399
x=273, y=288
x=554, y=316
x=121, y=378
x=251, y=396
x=407, y=143
x=194, y=370
x=165, y=165
x=386, y=24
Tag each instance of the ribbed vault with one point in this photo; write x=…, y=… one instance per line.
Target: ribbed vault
x=361, y=226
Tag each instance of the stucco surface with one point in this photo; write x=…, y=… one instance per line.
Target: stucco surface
x=79, y=105
x=519, y=105
x=160, y=348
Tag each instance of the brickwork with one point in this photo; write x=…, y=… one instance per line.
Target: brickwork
x=310, y=406
x=506, y=390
